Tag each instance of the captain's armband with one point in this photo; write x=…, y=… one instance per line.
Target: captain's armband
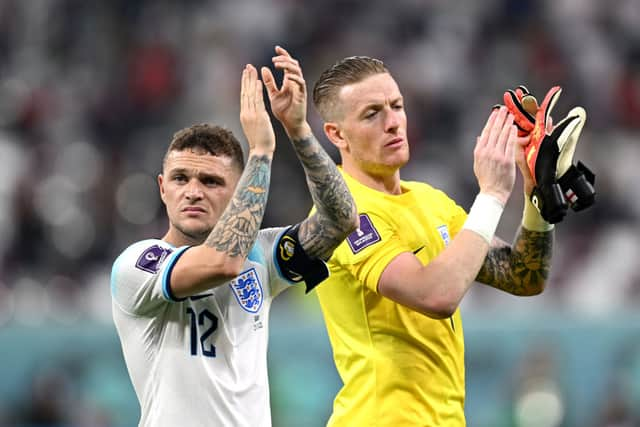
x=295, y=264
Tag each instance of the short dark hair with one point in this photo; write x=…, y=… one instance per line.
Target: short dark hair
x=352, y=69
x=215, y=140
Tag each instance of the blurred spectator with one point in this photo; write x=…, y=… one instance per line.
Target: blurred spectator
x=539, y=400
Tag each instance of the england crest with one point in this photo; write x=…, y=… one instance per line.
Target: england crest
x=248, y=290
x=444, y=233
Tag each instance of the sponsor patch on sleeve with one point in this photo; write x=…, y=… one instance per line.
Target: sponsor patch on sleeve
x=366, y=235
x=152, y=258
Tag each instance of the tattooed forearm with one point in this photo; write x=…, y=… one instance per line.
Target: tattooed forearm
x=521, y=269
x=238, y=227
x=336, y=213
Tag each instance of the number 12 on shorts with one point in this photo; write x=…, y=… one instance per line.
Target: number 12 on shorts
x=202, y=325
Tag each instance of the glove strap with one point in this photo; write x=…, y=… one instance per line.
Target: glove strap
x=550, y=202
x=577, y=186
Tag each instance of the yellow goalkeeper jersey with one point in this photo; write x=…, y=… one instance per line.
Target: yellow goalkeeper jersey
x=399, y=367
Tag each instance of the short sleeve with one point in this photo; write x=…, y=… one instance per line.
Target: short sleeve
x=140, y=276
x=367, y=251
x=457, y=218
x=264, y=252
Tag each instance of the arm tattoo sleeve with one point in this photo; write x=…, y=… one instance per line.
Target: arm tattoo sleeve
x=521, y=269
x=322, y=233
x=236, y=231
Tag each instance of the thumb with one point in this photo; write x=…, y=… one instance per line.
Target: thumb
x=269, y=82
x=530, y=104
x=570, y=129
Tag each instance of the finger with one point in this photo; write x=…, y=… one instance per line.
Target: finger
x=522, y=141
x=258, y=96
x=251, y=89
x=292, y=73
x=288, y=67
x=282, y=51
x=269, y=82
x=496, y=128
x=485, y=131
x=510, y=149
x=549, y=125
x=505, y=132
x=284, y=58
x=299, y=80
x=244, y=87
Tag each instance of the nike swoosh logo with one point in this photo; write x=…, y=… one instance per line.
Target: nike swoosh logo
x=418, y=250
x=197, y=297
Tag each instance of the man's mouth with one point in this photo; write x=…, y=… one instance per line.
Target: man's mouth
x=395, y=141
x=193, y=209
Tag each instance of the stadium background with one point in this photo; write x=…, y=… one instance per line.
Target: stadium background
x=91, y=92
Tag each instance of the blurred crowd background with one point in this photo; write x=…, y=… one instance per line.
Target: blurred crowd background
x=92, y=92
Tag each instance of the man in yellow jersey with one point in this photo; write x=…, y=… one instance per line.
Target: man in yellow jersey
x=391, y=301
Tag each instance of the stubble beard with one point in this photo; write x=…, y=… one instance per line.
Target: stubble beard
x=193, y=236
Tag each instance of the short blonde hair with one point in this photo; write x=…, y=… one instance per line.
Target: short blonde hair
x=350, y=70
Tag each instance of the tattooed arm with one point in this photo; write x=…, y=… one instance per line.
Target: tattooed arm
x=238, y=227
x=336, y=214
x=520, y=269
x=223, y=253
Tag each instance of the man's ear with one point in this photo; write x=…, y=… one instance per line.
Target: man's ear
x=161, y=186
x=335, y=135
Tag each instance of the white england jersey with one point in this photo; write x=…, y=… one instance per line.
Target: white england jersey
x=200, y=361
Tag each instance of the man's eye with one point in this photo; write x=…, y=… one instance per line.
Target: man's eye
x=180, y=178
x=370, y=114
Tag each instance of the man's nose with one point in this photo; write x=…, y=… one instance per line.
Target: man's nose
x=194, y=190
x=392, y=120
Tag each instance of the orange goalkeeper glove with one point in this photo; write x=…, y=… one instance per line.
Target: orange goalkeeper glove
x=550, y=156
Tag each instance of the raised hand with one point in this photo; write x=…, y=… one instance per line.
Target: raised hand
x=254, y=118
x=289, y=102
x=494, y=155
x=558, y=182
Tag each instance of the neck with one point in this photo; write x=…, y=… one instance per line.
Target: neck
x=385, y=181
x=176, y=238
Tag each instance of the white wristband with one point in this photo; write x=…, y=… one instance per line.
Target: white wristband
x=484, y=216
x=531, y=218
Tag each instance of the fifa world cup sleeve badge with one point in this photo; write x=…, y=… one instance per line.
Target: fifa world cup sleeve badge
x=152, y=258
x=365, y=236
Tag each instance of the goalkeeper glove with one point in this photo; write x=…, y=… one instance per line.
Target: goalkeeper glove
x=575, y=182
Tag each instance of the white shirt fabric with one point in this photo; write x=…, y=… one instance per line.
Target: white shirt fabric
x=201, y=361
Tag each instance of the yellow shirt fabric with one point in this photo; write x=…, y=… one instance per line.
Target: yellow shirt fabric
x=399, y=367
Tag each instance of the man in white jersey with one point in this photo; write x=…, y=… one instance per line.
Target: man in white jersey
x=191, y=309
